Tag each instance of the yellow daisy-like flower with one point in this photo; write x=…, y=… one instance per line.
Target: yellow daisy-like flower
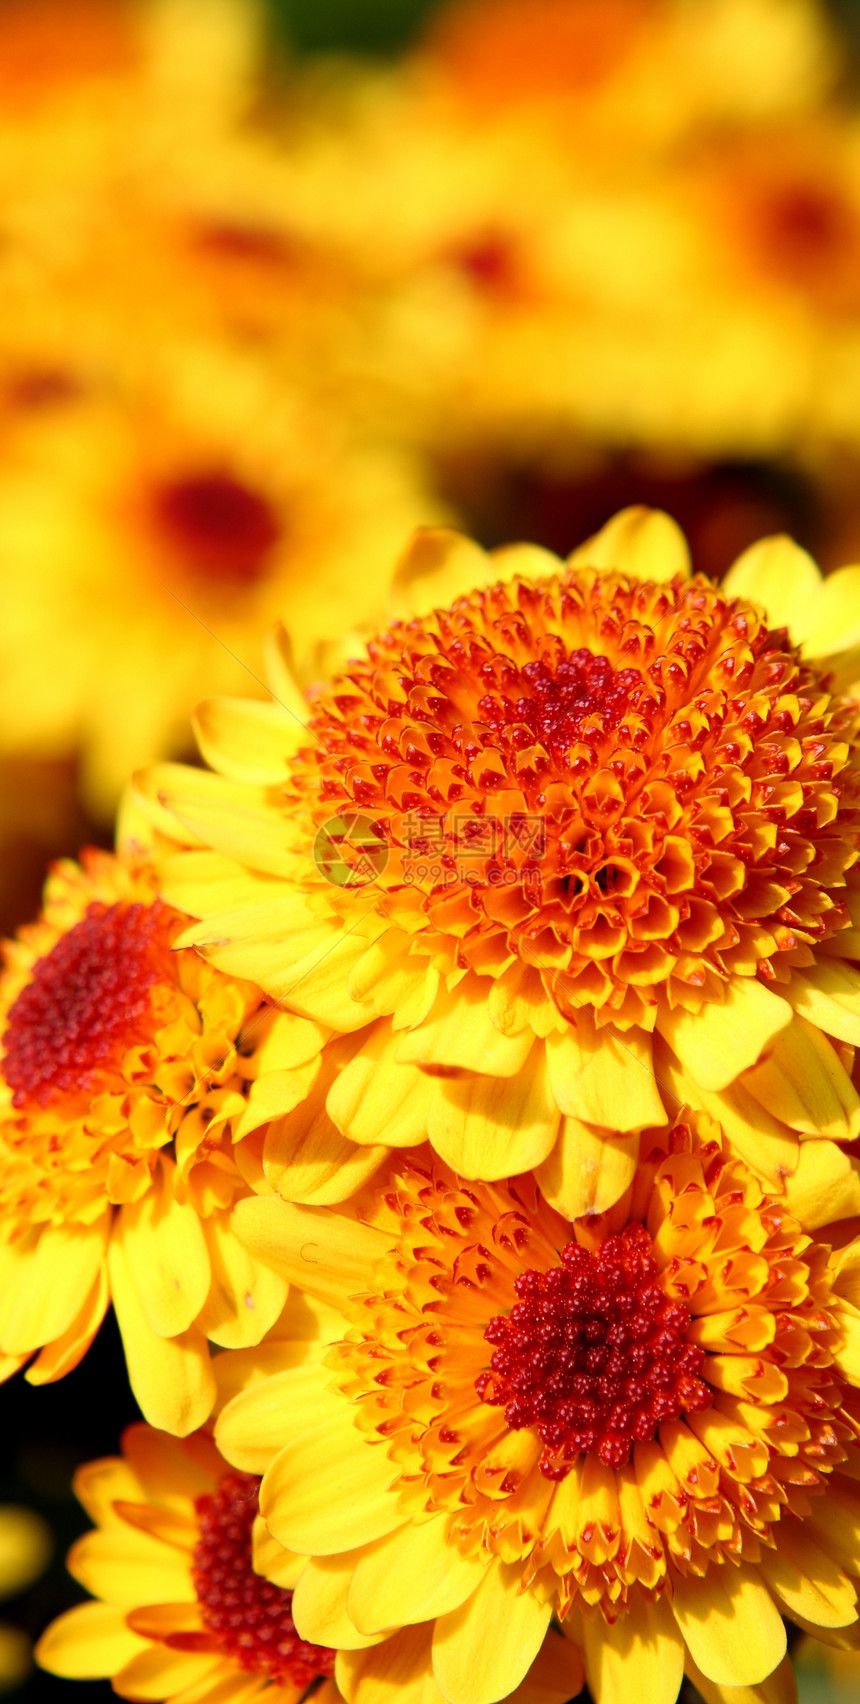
x=181, y=1610
x=156, y=536
x=644, y=1424
x=136, y=1082
x=594, y=828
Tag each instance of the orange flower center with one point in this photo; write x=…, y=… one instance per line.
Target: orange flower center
x=86, y=1001
x=594, y=1355
x=619, y=783
x=251, y=1617
x=221, y=528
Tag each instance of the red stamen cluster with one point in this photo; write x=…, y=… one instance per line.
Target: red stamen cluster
x=594, y=1355
x=85, y=1001
x=222, y=528
x=251, y=1617
x=559, y=700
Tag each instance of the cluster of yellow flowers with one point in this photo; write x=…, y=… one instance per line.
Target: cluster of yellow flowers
x=452, y=1089
x=449, y=1081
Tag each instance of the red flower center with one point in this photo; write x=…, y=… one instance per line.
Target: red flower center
x=85, y=1001
x=223, y=529
x=251, y=1617
x=553, y=704
x=594, y=1354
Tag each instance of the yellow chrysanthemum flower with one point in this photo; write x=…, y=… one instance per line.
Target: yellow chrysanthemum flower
x=136, y=1082
x=180, y=1609
x=550, y=862
x=644, y=1424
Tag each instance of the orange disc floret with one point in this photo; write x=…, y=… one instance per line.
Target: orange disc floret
x=673, y=1362
x=638, y=789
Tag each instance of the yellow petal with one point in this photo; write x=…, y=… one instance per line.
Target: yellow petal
x=600, y=1077
x=52, y=1281
x=166, y=1254
x=779, y=576
x=319, y=1604
x=259, y=1421
x=247, y=739
x=414, y=1574
x=63, y=1355
x=769, y=1148
x=100, y=1484
x=802, y=1081
x=460, y=1035
x=483, y=1650
x=171, y=1377
x=833, y=620
x=317, y=983
x=307, y=1158
x=828, y=994
x=375, y=1099
x=204, y=883
x=780, y=1687
x=398, y=1669
x=730, y=1623
x=719, y=1041
x=588, y=1170
x=322, y=1252
x=644, y=1642
x=272, y=1560
x=824, y=1187
x=171, y=1471
x=227, y=816
x=159, y=1672
x=232, y=1687
x=245, y=1297
x=437, y=566
x=281, y=672
x=644, y=543
x=329, y=1490
x=125, y=1567
x=492, y=1127
x=807, y=1581
x=89, y=1642
x=555, y=1675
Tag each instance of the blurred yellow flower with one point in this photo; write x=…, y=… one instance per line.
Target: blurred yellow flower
x=150, y=540
x=26, y=1544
